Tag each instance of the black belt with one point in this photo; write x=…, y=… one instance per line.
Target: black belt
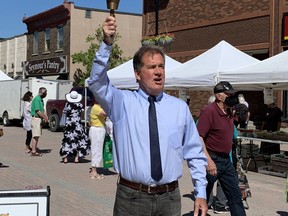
x=218, y=154
x=152, y=189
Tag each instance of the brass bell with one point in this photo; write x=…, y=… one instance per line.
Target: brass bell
x=112, y=5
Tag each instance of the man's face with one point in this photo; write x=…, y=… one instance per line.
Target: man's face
x=221, y=96
x=44, y=94
x=151, y=77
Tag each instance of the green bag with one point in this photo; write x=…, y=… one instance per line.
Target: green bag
x=287, y=189
x=107, y=152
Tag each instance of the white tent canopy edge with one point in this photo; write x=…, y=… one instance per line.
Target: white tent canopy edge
x=205, y=70
x=269, y=73
x=123, y=76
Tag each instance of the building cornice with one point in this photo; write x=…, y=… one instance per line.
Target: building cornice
x=50, y=18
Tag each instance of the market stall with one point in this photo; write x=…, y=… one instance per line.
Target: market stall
x=274, y=162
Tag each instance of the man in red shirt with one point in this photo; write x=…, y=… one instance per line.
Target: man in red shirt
x=215, y=127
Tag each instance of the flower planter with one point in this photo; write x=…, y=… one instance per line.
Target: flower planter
x=147, y=42
x=165, y=41
x=161, y=40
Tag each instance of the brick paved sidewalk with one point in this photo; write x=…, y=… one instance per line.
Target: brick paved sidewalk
x=73, y=193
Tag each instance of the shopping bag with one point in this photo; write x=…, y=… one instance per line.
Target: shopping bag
x=62, y=122
x=107, y=152
x=287, y=189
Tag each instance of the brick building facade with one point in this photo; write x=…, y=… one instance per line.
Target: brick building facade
x=255, y=27
x=56, y=34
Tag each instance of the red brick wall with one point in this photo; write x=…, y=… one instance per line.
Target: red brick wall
x=241, y=32
x=194, y=13
x=199, y=25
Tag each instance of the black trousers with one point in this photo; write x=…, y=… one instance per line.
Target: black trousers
x=28, y=137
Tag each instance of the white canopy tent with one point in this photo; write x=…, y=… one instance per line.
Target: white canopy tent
x=3, y=76
x=123, y=75
x=205, y=70
x=269, y=73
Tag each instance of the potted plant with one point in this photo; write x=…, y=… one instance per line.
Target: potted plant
x=162, y=39
x=148, y=40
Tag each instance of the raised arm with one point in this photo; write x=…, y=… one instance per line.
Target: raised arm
x=98, y=81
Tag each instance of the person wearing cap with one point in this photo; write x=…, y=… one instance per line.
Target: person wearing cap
x=216, y=127
x=75, y=141
x=153, y=134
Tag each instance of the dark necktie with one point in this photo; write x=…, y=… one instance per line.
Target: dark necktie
x=156, y=168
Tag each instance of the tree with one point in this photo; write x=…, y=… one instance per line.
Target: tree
x=86, y=58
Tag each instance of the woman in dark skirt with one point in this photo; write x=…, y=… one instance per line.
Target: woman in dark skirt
x=75, y=141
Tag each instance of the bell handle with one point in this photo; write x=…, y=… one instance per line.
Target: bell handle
x=112, y=13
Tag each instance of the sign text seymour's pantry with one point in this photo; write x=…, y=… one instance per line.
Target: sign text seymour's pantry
x=46, y=67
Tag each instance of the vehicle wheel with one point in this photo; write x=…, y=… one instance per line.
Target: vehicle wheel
x=54, y=123
x=5, y=118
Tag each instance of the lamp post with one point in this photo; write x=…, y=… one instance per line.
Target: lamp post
x=112, y=5
x=156, y=16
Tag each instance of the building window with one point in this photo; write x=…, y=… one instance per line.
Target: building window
x=47, y=39
x=35, y=42
x=60, y=33
x=88, y=14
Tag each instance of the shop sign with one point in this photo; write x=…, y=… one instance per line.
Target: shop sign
x=51, y=66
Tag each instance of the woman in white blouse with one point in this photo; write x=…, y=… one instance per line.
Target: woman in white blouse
x=27, y=118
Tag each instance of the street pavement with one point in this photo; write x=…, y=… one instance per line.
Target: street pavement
x=73, y=193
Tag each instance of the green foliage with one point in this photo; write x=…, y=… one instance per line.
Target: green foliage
x=86, y=57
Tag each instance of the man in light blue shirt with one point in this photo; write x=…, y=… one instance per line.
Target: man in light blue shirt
x=137, y=192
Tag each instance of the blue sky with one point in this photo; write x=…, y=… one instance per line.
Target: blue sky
x=13, y=11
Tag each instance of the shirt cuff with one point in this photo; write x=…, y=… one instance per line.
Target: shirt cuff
x=200, y=192
x=104, y=49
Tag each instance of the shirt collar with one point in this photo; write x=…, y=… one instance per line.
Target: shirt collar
x=218, y=109
x=145, y=96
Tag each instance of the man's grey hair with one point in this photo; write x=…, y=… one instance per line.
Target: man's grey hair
x=211, y=99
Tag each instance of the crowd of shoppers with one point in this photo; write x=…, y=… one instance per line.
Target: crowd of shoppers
x=153, y=133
